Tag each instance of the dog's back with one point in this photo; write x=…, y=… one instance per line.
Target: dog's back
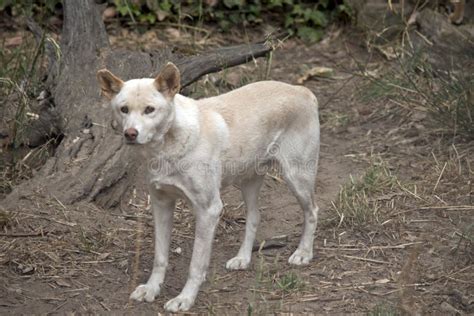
x=266, y=120
x=270, y=104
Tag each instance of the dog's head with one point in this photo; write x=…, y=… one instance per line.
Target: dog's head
x=144, y=107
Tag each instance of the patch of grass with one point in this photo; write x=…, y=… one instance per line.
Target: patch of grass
x=269, y=277
x=264, y=275
x=444, y=92
x=21, y=72
x=377, y=89
x=5, y=218
x=358, y=203
x=335, y=119
x=289, y=282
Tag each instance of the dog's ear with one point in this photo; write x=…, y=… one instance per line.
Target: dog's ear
x=168, y=82
x=110, y=85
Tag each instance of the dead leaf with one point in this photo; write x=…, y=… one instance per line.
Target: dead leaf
x=109, y=13
x=172, y=33
x=323, y=72
x=161, y=15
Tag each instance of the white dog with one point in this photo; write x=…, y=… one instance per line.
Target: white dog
x=196, y=147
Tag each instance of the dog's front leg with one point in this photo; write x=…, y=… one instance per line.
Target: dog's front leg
x=206, y=223
x=163, y=208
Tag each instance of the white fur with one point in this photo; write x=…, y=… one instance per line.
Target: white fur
x=194, y=148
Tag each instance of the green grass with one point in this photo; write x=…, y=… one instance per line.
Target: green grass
x=289, y=282
x=5, y=218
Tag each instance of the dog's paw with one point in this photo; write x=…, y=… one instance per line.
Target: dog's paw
x=300, y=257
x=145, y=292
x=179, y=304
x=238, y=263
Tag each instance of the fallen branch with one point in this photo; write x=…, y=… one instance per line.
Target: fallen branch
x=192, y=68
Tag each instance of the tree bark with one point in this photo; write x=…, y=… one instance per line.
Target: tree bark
x=91, y=163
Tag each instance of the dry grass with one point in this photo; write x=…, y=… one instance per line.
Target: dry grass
x=359, y=202
x=20, y=83
x=443, y=92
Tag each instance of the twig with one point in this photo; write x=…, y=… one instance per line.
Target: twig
x=76, y=290
x=448, y=208
x=439, y=178
x=70, y=224
x=276, y=178
x=316, y=298
x=366, y=259
x=401, y=246
x=459, y=281
x=104, y=306
x=96, y=261
x=60, y=305
x=412, y=193
x=36, y=234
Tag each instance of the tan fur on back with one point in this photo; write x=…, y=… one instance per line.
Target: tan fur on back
x=260, y=109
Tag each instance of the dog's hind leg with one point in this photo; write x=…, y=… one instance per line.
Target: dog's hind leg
x=250, y=190
x=300, y=175
x=163, y=208
x=302, y=186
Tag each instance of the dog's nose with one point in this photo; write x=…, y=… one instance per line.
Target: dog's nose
x=131, y=134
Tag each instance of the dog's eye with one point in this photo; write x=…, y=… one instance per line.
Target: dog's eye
x=124, y=109
x=149, y=109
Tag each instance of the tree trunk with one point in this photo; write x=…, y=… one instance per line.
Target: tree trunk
x=91, y=163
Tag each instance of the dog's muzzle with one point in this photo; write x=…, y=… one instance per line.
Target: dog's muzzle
x=131, y=135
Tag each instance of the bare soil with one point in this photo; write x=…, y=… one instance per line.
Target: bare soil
x=414, y=258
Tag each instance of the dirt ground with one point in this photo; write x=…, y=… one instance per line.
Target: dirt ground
x=411, y=256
